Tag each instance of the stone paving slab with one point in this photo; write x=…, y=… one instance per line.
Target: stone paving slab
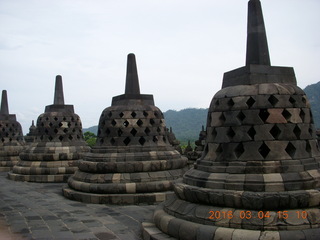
x=39, y=211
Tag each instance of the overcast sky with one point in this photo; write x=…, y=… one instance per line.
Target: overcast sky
x=182, y=48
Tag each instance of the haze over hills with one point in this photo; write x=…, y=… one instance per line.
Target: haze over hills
x=187, y=123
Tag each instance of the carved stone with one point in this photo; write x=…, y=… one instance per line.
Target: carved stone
x=57, y=147
x=11, y=137
x=132, y=161
x=260, y=171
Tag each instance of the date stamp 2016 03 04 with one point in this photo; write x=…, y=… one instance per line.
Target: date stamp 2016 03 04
x=250, y=214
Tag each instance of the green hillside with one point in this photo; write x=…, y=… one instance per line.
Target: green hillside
x=313, y=93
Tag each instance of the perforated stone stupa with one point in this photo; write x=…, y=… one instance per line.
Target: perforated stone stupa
x=259, y=176
x=58, y=145
x=132, y=161
x=11, y=137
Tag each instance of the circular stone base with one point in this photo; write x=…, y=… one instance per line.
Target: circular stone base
x=119, y=199
x=5, y=169
x=176, y=228
x=39, y=178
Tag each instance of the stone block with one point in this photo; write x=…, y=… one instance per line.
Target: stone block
x=223, y=233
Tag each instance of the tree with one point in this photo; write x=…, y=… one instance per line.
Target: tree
x=90, y=138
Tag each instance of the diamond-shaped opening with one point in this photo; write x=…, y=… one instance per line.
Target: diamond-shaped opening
x=42, y=124
x=252, y=132
x=273, y=100
x=112, y=141
x=50, y=124
x=55, y=131
x=290, y=149
x=156, y=114
x=78, y=137
x=126, y=141
x=101, y=141
x=139, y=122
x=230, y=133
x=50, y=138
x=286, y=114
x=308, y=147
x=69, y=124
x=302, y=115
x=222, y=118
x=145, y=114
x=152, y=121
x=158, y=130
x=107, y=131
x=142, y=140
x=230, y=103
x=119, y=132
x=121, y=114
x=65, y=130
x=264, y=114
x=47, y=119
x=292, y=100
x=214, y=133
x=60, y=138
x=239, y=150
x=164, y=139
x=241, y=116
x=250, y=102
x=126, y=123
x=264, y=150
x=147, y=131
x=46, y=131
x=155, y=139
x=113, y=122
x=60, y=124
x=275, y=131
x=297, y=132
x=133, y=114
x=109, y=114
x=133, y=132
x=70, y=137
x=64, y=118
x=55, y=118
x=217, y=103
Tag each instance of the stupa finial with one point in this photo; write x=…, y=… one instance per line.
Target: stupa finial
x=58, y=93
x=132, y=80
x=4, y=103
x=257, y=45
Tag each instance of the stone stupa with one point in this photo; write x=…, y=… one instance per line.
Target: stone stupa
x=259, y=175
x=57, y=147
x=132, y=161
x=11, y=137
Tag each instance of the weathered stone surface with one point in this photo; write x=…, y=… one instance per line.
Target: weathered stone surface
x=57, y=147
x=11, y=137
x=260, y=120
x=133, y=160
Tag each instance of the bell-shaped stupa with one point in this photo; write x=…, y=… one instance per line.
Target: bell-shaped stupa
x=132, y=161
x=57, y=147
x=11, y=137
x=259, y=175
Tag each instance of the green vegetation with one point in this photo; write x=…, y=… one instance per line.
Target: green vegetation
x=90, y=138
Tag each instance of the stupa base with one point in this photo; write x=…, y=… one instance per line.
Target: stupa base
x=118, y=199
x=168, y=226
x=56, y=178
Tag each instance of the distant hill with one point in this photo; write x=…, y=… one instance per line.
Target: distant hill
x=187, y=123
x=313, y=93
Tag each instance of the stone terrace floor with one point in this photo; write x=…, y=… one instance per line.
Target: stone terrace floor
x=39, y=211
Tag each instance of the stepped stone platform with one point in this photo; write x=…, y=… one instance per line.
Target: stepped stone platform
x=57, y=147
x=259, y=175
x=132, y=161
x=11, y=137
